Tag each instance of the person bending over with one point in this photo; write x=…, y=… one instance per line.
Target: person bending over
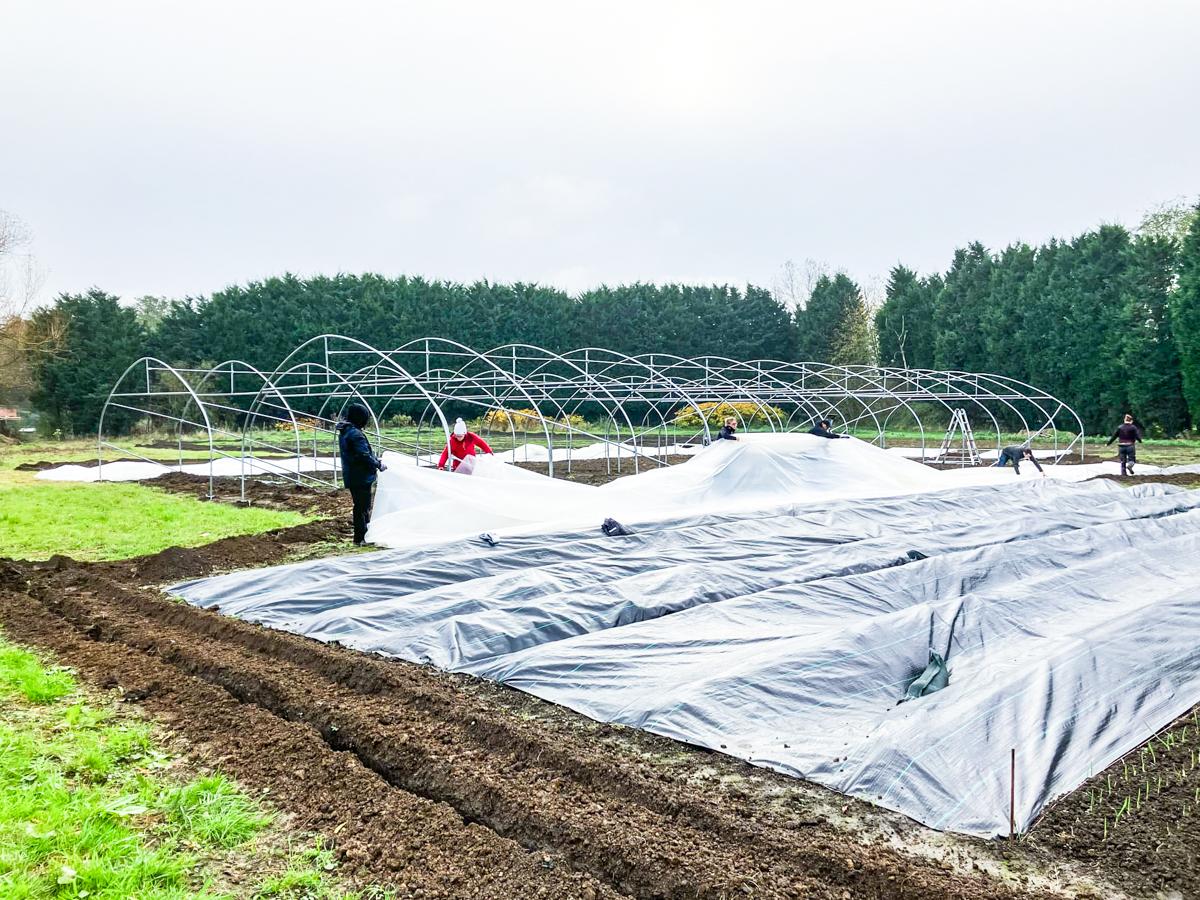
x=462, y=446
x=1015, y=454
x=359, y=466
x=1127, y=436
x=727, y=430
x=821, y=429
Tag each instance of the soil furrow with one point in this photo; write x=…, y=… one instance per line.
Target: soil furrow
x=384, y=835
x=652, y=836
x=635, y=858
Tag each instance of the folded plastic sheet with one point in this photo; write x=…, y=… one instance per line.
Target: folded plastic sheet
x=787, y=635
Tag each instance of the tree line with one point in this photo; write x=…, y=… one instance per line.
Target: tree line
x=262, y=322
x=1108, y=322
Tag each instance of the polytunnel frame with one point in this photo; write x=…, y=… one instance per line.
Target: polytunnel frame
x=791, y=393
x=579, y=396
x=475, y=356
x=610, y=379
x=632, y=392
x=637, y=394
x=383, y=358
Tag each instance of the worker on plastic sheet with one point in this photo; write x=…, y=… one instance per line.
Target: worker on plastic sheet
x=461, y=449
x=359, y=466
x=1127, y=435
x=1014, y=455
x=727, y=430
x=821, y=429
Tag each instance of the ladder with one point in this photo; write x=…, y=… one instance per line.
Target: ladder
x=967, y=453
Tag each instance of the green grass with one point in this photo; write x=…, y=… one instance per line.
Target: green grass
x=84, y=811
x=214, y=811
x=91, y=808
x=115, y=521
x=22, y=673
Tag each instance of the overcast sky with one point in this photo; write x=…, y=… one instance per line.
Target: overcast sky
x=172, y=149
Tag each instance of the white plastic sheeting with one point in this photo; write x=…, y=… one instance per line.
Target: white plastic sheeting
x=232, y=466
x=219, y=467
x=786, y=633
x=414, y=504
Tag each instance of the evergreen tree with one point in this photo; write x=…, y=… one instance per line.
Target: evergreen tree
x=835, y=304
x=1185, y=317
x=904, y=323
x=1006, y=332
x=1092, y=297
x=1047, y=360
x=1150, y=357
x=854, y=341
x=961, y=306
x=101, y=339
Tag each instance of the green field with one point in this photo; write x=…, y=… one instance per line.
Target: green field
x=115, y=521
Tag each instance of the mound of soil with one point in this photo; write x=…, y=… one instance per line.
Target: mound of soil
x=1189, y=480
x=174, y=563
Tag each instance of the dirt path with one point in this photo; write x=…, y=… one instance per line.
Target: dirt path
x=450, y=787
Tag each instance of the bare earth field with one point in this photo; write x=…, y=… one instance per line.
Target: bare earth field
x=440, y=785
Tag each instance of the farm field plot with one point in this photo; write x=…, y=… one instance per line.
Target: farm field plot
x=440, y=785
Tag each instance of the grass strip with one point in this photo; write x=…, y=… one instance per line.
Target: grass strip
x=116, y=521
x=92, y=809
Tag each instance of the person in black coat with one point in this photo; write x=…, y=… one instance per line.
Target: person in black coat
x=727, y=430
x=359, y=466
x=1127, y=437
x=821, y=429
x=1015, y=454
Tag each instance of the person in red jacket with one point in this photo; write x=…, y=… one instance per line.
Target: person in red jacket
x=463, y=445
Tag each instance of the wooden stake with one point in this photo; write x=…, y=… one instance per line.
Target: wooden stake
x=1012, y=796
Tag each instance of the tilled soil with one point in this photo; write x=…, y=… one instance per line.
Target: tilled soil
x=444, y=786
x=1185, y=479
x=1137, y=822
x=269, y=493
x=596, y=471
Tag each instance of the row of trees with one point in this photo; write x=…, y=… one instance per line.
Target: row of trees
x=260, y=323
x=1108, y=321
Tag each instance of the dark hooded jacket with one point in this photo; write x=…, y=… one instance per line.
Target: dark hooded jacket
x=359, y=464
x=821, y=431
